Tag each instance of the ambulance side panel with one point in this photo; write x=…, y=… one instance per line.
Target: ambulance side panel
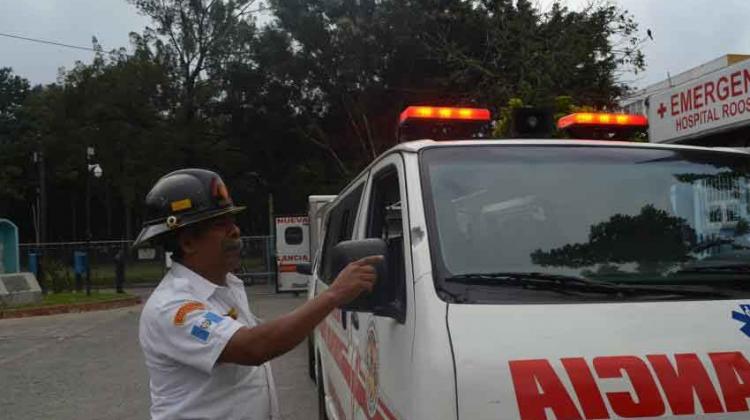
x=332, y=336
x=318, y=206
x=383, y=347
x=412, y=373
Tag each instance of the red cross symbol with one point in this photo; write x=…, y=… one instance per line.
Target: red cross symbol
x=662, y=109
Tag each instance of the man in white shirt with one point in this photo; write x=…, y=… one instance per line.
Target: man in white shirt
x=206, y=353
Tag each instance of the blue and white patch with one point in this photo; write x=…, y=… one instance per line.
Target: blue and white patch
x=744, y=317
x=202, y=328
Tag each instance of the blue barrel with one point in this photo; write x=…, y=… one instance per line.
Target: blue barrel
x=34, y=263
x=80, y=261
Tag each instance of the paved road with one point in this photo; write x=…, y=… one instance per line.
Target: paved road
x=89, y=366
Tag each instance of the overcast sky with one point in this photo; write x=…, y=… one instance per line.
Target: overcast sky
x=686, y=32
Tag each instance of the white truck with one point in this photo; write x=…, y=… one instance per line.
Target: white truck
x=540, y=279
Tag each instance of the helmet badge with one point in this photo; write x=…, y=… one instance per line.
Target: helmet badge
x=172, y=222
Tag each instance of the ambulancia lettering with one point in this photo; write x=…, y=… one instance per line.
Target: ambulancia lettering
x=684, y=379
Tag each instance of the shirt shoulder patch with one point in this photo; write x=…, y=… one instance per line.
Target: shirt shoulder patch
x=202, y=328
x=185, y=309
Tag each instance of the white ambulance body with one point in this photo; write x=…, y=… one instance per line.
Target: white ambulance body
x=292, y=248
x=542, y=280
x=316, y=212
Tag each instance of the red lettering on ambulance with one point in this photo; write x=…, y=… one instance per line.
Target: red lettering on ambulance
x=733, y=372
x=585, y=387
x=682, y=381
x=538, y=388
x=648, y=402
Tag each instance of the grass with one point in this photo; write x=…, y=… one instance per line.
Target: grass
x=71, y=297
x=67, y=298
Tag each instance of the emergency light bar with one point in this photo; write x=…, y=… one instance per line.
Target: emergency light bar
x=443, y=123
x=445, y=113
x=597, y=119
x=602, y=126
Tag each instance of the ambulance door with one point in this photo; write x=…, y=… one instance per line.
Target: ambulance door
x=333, y=335
x=382, y=346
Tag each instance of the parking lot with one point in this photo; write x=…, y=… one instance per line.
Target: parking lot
x=90, y=366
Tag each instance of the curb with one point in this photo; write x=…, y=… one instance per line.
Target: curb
x=69, y=308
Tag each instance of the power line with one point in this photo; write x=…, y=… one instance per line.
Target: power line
x=41, y=41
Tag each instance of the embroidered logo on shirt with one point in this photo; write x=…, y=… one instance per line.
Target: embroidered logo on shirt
x=185, y=309
x=232, y=313
x=202, y=328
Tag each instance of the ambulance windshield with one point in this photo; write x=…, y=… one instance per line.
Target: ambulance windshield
x=611, y=213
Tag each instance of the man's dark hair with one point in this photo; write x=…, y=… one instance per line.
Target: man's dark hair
x=171, y=244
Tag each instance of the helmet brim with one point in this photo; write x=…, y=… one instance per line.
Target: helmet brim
x=151, y=234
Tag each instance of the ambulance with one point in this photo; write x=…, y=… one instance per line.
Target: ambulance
x=540, y=279
x=292, y=248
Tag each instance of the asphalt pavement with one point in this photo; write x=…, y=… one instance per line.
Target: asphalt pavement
x=89, y=366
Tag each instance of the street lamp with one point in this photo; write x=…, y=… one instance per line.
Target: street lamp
x=95, y=170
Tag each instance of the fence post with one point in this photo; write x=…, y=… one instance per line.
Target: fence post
x=269, y=260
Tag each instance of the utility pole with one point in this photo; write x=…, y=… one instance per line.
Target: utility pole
x=89, y=155
x=92, y=170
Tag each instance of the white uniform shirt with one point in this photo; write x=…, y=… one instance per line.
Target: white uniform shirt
x=184, y=327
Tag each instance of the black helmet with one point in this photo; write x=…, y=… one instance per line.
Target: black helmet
x=182, y=198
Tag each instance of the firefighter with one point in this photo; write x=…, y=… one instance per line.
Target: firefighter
x=206, y=353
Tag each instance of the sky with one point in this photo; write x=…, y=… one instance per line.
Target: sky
x=686, y=33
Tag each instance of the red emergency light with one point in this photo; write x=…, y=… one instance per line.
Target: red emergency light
x=602, y=126
x=598, y=119
x=445, y=113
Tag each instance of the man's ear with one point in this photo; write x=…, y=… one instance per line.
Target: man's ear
x=186, y=241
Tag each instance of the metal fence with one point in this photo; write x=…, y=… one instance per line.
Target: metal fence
x=56, y=269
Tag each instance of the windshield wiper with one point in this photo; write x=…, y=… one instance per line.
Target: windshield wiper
x=739, y=268
x=718, y=242
x=561, y=282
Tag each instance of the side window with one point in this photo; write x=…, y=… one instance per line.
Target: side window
x=339, y=227
x=293, y=235
x=385, y=222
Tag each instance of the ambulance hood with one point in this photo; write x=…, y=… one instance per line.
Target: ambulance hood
x=601, y=361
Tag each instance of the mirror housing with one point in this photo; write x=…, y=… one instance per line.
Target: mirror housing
x=377, y=302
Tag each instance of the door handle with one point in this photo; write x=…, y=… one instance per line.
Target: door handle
x=355, y=320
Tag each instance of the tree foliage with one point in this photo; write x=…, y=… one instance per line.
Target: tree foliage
x=621, y=239
x=291, y=107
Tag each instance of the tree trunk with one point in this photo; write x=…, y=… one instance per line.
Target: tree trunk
x=128, y=220
x=74, y=218
x=108, y=204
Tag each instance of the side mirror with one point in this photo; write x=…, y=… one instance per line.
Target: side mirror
x=347, y=252
x=305, y=268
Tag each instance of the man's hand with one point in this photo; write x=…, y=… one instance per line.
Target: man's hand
x=355, y=278
x=259, y=344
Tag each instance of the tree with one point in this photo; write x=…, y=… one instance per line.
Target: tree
x=536, y=56
x=199, y=38
x=365, y=61
x=652, y=239
x=13, y=92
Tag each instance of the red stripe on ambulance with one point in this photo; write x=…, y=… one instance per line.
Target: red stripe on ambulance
x=538, y=387
x=338, y=350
